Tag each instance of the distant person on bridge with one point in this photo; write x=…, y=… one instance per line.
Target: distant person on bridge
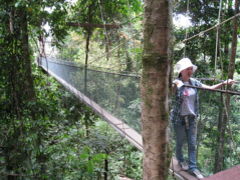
x=185, y=112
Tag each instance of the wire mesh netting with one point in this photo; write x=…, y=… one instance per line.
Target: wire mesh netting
x=120, y=95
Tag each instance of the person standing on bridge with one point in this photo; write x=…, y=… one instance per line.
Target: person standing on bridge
x=185, y=112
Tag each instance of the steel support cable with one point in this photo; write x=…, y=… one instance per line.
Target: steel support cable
x=211, y=28
x=121, y=63
x=116, y=47
x=186, y=32
x=126, y=63
x=113, y=49
x=104, y=23
x=185, y=40
x=112, y=65
x=38, y=48
x=217, y=36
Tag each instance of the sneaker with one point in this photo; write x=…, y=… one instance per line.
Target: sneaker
x=196, y=173
x=183, y=165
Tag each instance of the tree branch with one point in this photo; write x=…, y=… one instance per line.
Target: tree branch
x=107, y=26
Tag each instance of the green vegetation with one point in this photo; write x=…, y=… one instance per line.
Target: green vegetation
x=47, y=134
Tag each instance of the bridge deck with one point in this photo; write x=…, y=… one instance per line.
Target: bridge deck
x=231, y=174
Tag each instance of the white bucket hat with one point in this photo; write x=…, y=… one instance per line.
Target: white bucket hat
x=184, y=64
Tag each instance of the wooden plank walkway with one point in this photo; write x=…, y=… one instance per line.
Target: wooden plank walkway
x=229, y=174
x=177, y=172
x=124, y=178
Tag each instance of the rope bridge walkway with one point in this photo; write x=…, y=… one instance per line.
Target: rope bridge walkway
x=116, y=98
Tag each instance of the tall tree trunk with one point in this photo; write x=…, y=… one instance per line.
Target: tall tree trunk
x=219, y=151
x=27, y=66
x=19, y=85
x=106, y=166
x=219, y=159
x=155, y=89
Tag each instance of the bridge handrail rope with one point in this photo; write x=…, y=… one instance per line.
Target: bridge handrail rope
x=73, y=64
x=211, y=28
x=216, y=90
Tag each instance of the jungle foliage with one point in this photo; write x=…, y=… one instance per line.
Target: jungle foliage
x=45, y=133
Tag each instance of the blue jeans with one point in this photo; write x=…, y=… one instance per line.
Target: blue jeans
x=188, y=130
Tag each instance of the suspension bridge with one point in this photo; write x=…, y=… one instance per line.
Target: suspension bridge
x=116, y=98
